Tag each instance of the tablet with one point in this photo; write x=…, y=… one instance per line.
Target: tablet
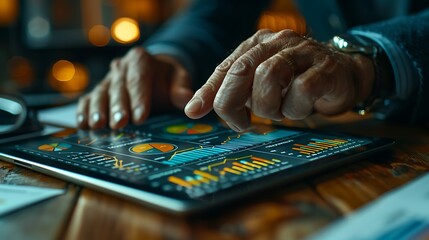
x=185, y=166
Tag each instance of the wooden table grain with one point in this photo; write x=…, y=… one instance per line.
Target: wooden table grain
x=292, y=211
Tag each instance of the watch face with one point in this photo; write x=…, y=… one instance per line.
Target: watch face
x=339, y=42
x=352, y=44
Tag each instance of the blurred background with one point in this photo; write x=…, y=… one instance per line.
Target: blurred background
x=52, y=51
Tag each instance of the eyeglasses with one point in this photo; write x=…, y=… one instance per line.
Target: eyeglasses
x=16, y=118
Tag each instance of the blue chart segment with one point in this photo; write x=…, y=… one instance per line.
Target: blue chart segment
x=252, y=139
x=194, y=154
x=237, y=142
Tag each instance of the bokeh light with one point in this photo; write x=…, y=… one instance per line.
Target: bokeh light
x=279, y=21
x=99, y=35
x=8, y=12
x=39, y=27
x=21, y=71
x=63, y=70
x=125, y=30
x=148, y=11
x=68, y=77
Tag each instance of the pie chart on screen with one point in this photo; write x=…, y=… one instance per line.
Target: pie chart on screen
x=54, y=147
x=153, y=148
x=189, y=129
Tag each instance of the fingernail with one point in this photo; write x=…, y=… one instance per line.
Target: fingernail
x=137, y=113
x=194, y=105
x=80, y=118
x=117, y=116
x=234, y=127
x=96, y=117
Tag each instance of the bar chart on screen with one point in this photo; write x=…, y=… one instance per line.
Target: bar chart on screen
x=226, y=171
x=312, y=147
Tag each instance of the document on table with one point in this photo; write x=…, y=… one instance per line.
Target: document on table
x=399, y=214
x=13, y=197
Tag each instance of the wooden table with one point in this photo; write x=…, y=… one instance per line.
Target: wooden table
x=289, y=212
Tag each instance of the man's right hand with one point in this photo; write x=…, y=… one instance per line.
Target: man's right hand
x=134, y=83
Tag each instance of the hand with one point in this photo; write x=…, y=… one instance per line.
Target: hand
x=133, y=83
x=278, y=75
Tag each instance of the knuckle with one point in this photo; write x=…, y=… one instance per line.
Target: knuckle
x=84, y=99
x=303, y=85
x=115, y=63
x=259, y=36
x=265, y=69
x=328, y=62
x=224, y=66
x=286, y=33
x=263, y=32
x=243, y=66
x=139, y=53
x=100, y=88
x=135, y=78
x=261, y=49
x=307, y=46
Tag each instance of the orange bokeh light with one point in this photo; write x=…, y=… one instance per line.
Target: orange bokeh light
x=278, y=21
x=21, y=71
x=67, y=77
x=125, y=30
x=8, y=11
x=99, y=35
x=63, y=70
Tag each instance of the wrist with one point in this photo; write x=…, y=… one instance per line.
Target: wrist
x=373, y=71
x=365, y=76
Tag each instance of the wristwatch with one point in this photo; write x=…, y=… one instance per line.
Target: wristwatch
x=383, y=71
x=354, y=44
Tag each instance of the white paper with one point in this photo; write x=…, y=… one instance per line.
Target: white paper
x=64, y=116
x=13, y=197
x=400, y=214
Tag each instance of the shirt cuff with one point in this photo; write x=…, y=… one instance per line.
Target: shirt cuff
x=404, y=73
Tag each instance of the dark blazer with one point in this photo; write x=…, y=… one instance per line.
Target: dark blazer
x=210, y=29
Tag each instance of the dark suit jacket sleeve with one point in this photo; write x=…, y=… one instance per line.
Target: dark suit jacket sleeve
x=203, y=35
x=411, y=34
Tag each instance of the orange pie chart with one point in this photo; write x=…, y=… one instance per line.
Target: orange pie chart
x=54, y=147
x=153, y=148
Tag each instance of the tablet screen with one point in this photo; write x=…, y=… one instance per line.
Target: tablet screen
x=184, y=159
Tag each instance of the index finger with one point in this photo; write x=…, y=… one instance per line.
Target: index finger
x=202, y=101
